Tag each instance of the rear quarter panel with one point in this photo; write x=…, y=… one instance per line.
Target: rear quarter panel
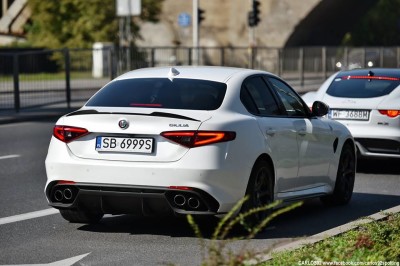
x=248, y=145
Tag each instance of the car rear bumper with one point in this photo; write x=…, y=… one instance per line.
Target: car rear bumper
x=374, y=140
x=147, y=201
x=374, y=147
x=218, y=176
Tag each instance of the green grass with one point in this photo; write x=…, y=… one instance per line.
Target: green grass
x=378, y=241
x=372, y=243
x=48, y=76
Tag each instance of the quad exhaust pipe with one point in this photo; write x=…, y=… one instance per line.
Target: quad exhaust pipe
x=182, y=201
x=63, y=195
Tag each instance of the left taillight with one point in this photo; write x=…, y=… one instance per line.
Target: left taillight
x=196, y=138
x=67, y=133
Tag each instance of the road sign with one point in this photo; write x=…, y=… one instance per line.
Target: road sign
x=184, y=19
x=129, y=8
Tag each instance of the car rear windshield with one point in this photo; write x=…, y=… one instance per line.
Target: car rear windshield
x=362, y=87
x=179, y=93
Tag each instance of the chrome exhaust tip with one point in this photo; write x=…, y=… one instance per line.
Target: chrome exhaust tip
x=193, y=203
x=179, y=200
x=67, y=194
x=58, y=195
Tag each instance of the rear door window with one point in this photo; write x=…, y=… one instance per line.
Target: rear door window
x=161, y=93
x=257, y=97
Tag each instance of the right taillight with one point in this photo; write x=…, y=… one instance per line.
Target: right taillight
x=67, y=133
x=390, y=113
x=196, y=138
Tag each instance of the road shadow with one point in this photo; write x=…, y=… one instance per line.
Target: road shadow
x=311, y=218
x=388, y=166
x=169, y=226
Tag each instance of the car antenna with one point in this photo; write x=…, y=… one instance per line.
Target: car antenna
x=172, y=73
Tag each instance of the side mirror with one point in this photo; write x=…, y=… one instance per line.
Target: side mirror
x=319, y=109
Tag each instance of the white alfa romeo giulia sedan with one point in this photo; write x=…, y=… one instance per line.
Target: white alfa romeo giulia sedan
x=195, y=140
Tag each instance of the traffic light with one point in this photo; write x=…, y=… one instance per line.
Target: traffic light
x=254, y=14
x=251, y=19
x=256, y=11
x=200, y=15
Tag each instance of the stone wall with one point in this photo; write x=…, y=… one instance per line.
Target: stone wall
x=225, y=23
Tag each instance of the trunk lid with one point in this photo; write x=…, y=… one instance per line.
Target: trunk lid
x=142, y=125
x=352, y=103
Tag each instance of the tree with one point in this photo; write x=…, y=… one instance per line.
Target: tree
x=380, y=27
x=79, y=23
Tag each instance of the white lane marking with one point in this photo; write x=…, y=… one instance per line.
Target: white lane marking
x=69, y=261
x=66, y=262
x=9, y=156
x=27, y=216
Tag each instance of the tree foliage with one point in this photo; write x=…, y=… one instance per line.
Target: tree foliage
x=380, y=27
x=79, y=23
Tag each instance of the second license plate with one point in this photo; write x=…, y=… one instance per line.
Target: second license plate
x=350, y=114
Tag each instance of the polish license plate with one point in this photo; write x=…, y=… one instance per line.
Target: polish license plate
x=117, y=144
x=346, y=114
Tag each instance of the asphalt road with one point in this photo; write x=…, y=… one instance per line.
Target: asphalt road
x=128, y=240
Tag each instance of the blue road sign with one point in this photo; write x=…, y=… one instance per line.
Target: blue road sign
x=184, y=19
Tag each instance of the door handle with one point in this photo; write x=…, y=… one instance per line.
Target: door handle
x=270, y=132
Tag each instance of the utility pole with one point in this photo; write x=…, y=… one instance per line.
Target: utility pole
x=253, y=18
x=4, y=6
x=128, y=35
x=125, y=9
x=195, y=33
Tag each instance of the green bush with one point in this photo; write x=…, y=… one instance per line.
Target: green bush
x=217, y=250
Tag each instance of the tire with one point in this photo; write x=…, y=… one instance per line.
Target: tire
x=260, y=191
x=79, y=216
x=344, y=179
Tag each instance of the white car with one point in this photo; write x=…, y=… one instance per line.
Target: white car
x=367, y=102
x=196, y=140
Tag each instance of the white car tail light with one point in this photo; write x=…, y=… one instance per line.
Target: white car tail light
x=196, y=138
x=67, y=134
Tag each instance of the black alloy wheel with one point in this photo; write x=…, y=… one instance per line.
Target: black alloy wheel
x=259, y=191
x=344, y=179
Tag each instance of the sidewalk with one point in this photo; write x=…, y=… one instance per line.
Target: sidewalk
x=38, y=113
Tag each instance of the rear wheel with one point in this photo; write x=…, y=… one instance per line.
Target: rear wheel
x=259, y=191
x=344, y=180
x=79, y=216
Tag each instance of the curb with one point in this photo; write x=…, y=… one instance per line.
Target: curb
x=329, y=233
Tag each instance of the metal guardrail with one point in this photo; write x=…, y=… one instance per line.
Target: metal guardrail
x=37, y=78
